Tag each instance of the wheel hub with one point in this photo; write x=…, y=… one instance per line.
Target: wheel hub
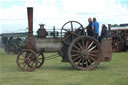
x=84, y=54
x=27, y=60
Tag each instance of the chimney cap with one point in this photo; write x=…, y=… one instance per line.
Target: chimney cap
x=30, y=7
x=41, y=24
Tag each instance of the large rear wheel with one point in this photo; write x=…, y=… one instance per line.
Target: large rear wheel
x=84, y=53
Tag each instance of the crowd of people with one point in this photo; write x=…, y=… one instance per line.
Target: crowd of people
x=93, y=29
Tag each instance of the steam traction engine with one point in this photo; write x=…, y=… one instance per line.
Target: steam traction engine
x=119, y=39
x=72, y=44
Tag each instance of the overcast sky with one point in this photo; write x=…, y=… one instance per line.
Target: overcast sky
x=13, y=13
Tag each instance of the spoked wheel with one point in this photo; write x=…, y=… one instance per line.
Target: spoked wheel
x=117, y=44
x=84, y=53
x=40, y=60
x=27, y=60
x=72, y=29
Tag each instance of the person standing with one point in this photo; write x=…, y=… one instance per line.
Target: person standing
x=104, y=32
x=95, y=27
x=89, y=27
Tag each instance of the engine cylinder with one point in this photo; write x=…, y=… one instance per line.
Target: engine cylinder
x=48, y=44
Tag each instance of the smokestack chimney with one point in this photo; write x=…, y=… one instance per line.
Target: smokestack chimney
x=30, y=27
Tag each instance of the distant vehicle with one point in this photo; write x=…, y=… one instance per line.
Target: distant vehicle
x=119, y=38
x=13, y=42
x=124, y=25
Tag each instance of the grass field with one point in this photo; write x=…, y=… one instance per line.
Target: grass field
x=53, y=72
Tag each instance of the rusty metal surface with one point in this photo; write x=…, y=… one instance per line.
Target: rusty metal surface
x=30, y=27
x=106, y=45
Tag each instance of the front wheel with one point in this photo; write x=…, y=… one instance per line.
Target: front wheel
x=40, y=60
x=27, y=60
x=84, y=53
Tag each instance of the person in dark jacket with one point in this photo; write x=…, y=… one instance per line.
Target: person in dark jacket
x=89, y=27
x=104, y=32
